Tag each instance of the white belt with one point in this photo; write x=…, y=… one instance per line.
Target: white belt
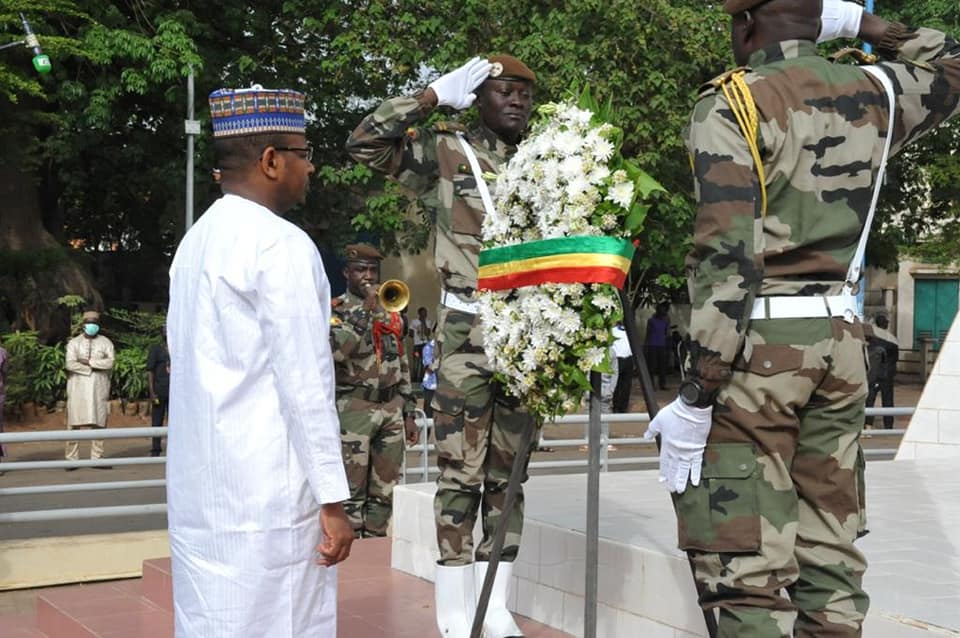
x=450, y=300
x=804, y=307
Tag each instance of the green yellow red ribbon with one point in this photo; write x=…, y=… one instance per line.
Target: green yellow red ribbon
x=562, y=260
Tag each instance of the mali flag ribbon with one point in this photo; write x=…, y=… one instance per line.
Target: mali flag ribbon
x=563, y=260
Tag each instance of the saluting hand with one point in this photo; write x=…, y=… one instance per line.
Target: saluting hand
x=456, y=88
x=337, y=535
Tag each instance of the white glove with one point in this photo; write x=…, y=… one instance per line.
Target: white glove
x=456, y=88
x=683, y=431
x=839, y=20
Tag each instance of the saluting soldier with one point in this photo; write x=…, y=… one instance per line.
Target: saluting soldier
x=478, y=427
x=374, y=397
x=762, y=445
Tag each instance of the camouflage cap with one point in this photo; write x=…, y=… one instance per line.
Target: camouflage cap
x=507, y=67
x=361, y=252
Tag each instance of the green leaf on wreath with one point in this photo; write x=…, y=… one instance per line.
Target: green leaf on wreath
x=638, y=214
x=645, y=184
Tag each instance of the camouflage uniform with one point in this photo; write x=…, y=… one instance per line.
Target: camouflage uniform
x=782, y=497
x=477, y=426
x=372, y=399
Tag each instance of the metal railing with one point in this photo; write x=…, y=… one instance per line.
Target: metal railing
x=423, y=469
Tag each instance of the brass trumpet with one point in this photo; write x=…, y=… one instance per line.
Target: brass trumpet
x=394, y=295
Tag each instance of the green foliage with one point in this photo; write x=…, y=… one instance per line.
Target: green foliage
x=919, y=209
x=128, y=380
x=17, y=263
x=22, y=349
x=37, y=372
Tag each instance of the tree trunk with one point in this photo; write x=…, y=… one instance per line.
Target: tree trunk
x=35, y=270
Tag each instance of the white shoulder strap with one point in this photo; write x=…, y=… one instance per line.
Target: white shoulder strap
x=477, y=174
x=854, y=271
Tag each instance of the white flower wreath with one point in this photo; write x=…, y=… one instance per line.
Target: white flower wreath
x=565, y=194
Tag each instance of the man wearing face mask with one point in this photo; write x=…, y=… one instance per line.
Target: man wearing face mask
x=478, y=427
x=89, y=362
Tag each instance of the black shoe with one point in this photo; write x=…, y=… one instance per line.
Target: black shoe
x=103, y=467
x=154, y=452
x=70, y=469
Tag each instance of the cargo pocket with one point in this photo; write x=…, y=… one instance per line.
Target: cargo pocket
x=466, y=212
x=861, y=494
x=448, y=421
x=721, y=514
x=453, y=330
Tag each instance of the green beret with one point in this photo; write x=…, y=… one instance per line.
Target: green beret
x=361, y=252
x=507, y=67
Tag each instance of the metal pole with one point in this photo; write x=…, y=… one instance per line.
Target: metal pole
x=650, y=398
x=39, y=516
x=500, y=533
x=192, y=129
x=592, y=562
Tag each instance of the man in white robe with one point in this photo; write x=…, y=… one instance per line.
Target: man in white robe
x=89, y=362
x=253, y=456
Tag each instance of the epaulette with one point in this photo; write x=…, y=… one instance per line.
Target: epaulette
x=718, y=81
x=860, y=56
x=445, y=126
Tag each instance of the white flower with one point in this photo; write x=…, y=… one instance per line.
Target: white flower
x=621, y=194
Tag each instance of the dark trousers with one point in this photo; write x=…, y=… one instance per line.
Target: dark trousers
x=427, y=399
x=885, y=390
x=621, y=393
x=416, y=364
x=156, y=415
x=657, y=357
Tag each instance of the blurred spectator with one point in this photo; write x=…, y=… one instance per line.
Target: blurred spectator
x=420, y=329
x=89, y=362
x=883, y=350
x=658, y=343
x=158, y=381
x=429, y=373
x=624, y=363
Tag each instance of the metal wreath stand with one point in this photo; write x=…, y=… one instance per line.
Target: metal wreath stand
x=593, y=492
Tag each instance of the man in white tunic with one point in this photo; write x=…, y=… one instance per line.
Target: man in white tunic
x=89, y=362
x=253, y=457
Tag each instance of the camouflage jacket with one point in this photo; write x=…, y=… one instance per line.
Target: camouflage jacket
x=354, y=356
x=430, y=162
x=822, y=127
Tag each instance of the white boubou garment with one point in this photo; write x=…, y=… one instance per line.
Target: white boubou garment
x=89, y=363
x=254, y=439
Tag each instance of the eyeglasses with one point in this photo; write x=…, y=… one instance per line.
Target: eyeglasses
x=307, y=150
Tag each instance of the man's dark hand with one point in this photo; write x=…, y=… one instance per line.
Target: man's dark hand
x=370, y=302
x=337, y=535
x=413, y=432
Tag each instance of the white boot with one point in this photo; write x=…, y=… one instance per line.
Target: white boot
x=456, y=600
x=498, y=622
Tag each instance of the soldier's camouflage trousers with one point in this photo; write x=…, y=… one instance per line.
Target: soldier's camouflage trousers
x=478, y=430
x=781, y=500
x=371, y=435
